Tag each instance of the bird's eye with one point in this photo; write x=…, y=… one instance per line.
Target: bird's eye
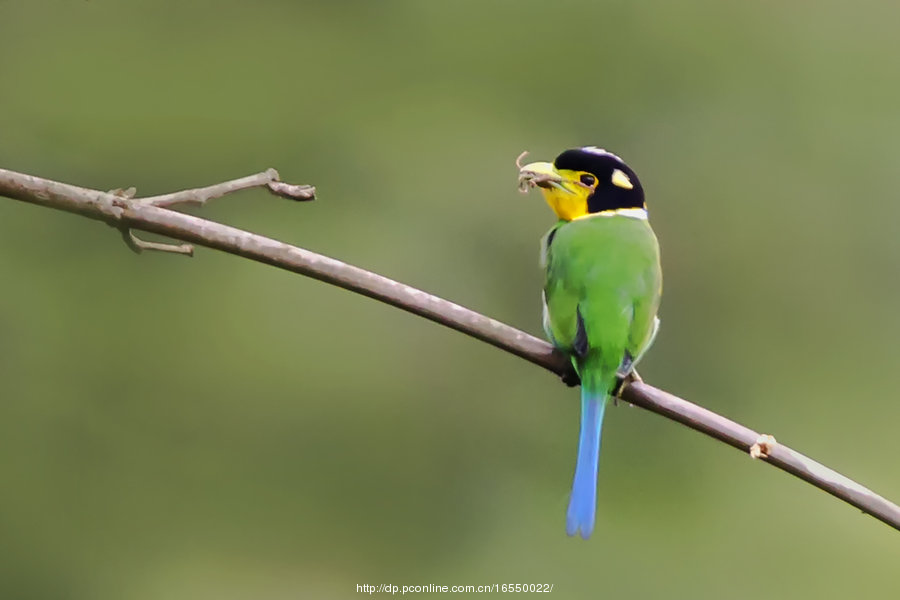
x=588, y=180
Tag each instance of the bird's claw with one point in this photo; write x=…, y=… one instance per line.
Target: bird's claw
x=623, y=380
x=764, y=445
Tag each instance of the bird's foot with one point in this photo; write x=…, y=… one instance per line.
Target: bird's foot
x=765, y=443
x=624, y=380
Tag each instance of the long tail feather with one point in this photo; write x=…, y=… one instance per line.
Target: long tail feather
x=583, y=503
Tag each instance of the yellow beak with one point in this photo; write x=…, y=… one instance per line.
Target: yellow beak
x=541, y=174
x=567, y=197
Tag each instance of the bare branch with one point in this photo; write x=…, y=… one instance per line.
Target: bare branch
x=301, y=193
x=268, y=179
x=139, y=245
x=123, y=212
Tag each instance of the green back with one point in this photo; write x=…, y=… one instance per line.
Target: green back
x=606, y=268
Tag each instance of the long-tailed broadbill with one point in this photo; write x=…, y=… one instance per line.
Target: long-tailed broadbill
x=602, y=287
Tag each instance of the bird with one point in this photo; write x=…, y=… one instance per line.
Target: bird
x=601, y=293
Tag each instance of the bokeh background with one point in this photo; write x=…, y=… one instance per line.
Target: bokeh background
x=212, y=428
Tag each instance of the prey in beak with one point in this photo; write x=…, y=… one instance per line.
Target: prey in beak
x=539, y=174
x=565, y=190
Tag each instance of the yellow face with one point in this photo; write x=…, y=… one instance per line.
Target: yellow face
x=566, y=191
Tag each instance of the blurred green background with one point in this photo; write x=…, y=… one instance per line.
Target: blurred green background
x=213, y=428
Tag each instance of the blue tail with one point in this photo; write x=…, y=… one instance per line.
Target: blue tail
x=583, y=503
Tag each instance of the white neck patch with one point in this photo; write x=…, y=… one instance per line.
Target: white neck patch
x=632, y=213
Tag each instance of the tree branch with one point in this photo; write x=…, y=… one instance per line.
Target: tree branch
x=268, y=178
x=124, y=212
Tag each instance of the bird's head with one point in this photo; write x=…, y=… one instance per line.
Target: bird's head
x=583, y=182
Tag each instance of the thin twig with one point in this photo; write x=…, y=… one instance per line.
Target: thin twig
x=268, y=178
x=132, y=213
x=301, y=193
x=139, y=245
